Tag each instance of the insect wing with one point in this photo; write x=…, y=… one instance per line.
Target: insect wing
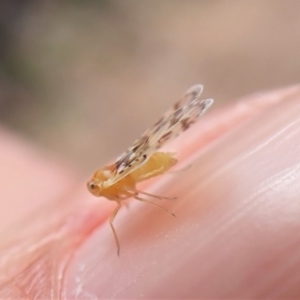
x=176, y=120
x=179, y=120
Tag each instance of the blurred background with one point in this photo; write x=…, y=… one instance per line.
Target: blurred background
x=83, y=79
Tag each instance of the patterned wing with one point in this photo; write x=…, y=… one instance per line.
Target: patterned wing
x=176, y=120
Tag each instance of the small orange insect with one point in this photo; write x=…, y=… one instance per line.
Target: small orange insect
x=142, y=161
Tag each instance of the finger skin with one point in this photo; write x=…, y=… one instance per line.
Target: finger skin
x=235, y=234
x=236, y=231
x=29, y=178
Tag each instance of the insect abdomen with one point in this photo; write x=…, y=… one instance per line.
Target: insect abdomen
x=156, y=165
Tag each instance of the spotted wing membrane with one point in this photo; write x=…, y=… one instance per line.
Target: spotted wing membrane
x=176, y=120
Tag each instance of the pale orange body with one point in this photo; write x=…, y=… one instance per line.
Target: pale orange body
x=156, y=165
x=99, y=185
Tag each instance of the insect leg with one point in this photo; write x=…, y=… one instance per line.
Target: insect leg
x=112, y=227
x=161, y=207
x=155, y=196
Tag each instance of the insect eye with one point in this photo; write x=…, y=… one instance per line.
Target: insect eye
x=92, y=185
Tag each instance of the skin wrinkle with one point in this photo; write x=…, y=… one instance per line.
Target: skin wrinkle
x=272, y=283
x=245, y=109
x=38, y=255
x=237, y=213
x=54, y=250
x=238, y=158
x=263, y=189
x=253, y=286
x=242, y=157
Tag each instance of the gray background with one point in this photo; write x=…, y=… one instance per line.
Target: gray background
x=82, y=79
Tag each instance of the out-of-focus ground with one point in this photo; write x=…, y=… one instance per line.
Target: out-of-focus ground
x=83, y=79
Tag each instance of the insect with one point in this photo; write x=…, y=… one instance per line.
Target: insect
x=142, y=160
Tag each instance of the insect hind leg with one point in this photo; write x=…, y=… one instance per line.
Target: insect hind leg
x=155, y=196
x=161, y=207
